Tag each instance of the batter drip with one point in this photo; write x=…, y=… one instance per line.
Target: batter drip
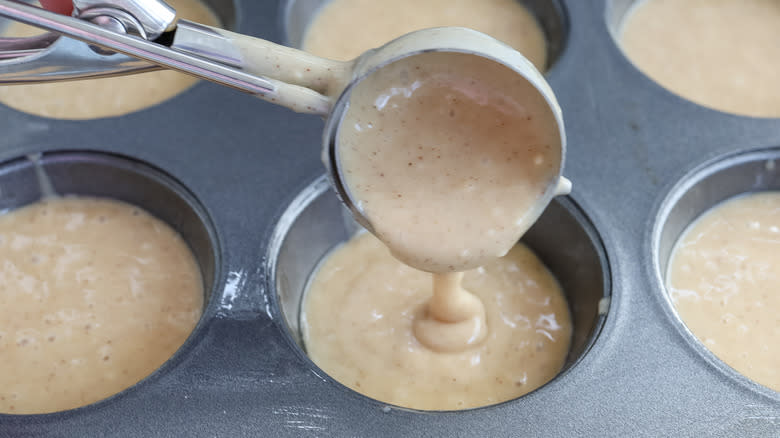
x=454, y=318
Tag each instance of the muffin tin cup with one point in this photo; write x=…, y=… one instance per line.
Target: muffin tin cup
x=316, y=222
x=241, y=373
x=701, y=189
x=26, y=180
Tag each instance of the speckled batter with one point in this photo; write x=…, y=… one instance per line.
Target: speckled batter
x=723, y=278
x=358, y=318
x=94, y=295
x=344, y=29
x=721, y=54
x=446, y=153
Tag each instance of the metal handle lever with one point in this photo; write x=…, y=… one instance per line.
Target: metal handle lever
x=298, y=98
x=11, y=48
x=63, y=60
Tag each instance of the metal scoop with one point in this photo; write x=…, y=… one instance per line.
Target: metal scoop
x=149, y=34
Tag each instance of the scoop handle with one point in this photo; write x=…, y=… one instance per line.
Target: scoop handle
x=264, y=58
x=296, y=97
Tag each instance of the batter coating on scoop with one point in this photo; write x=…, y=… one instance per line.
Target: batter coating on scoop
x=446, y=154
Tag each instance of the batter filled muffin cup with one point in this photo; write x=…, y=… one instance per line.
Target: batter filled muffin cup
x=108, y=264
x=716, y=54
x=714, y=247
x=536, y=28
x=563, y=239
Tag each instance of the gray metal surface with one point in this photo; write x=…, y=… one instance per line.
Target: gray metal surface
x=631, y=144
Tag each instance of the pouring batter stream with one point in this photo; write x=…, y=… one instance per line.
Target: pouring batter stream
x=446, y=165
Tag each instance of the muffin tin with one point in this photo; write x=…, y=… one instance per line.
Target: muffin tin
x=242, y=181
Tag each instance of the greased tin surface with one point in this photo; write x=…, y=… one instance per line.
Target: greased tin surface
x=643, y=162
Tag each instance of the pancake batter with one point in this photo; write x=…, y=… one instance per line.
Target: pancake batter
x=107, y=97
x=358, y=318
x=95, y=294
x=344, y=29
x=723, y=279
x=722, y=54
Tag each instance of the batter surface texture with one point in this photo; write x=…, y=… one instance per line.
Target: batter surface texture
x=722, y=54
x=344, y=29
x=358, y=319
x=723, y=279
x=95, y=294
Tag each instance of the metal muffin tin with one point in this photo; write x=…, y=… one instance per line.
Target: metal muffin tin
x=241, y=180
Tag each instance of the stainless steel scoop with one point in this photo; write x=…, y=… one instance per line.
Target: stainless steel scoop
x=151, y=37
